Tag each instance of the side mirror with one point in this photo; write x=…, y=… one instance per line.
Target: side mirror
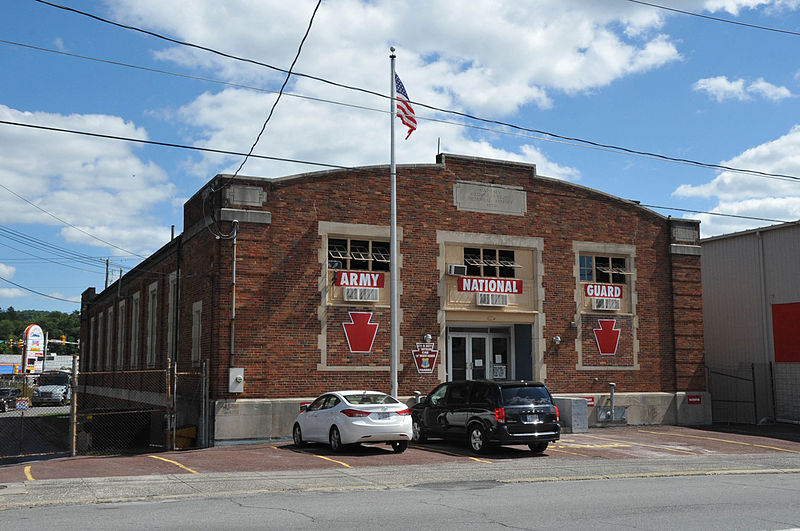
x=303, y=407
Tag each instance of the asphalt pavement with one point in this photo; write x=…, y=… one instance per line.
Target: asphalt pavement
x=601, y=453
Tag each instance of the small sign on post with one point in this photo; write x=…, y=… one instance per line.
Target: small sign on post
x=22, y=404
x=425, y=357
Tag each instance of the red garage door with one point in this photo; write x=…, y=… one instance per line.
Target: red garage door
x=786, y=332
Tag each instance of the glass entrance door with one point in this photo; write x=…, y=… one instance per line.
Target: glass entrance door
x=477, y=355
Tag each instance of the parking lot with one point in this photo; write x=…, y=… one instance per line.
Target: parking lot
x=607, y=444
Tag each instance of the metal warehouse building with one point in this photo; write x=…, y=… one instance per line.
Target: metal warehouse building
x=751, y=304
x=503, y=274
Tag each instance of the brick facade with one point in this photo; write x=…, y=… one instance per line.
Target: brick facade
x=288, y=332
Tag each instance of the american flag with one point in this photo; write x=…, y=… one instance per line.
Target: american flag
x=404, y=110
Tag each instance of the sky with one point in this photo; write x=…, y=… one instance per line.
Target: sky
x=615, y=95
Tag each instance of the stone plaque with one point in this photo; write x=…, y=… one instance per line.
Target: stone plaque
x=490, y=198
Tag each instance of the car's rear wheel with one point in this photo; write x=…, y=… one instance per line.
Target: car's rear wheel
x=417, y=433
x=335, y=439
x=399, y=446
x=3, y=406
x=538, y=447
x=297, y=436
x=476, y=437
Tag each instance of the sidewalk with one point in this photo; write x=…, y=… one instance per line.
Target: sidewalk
x=634, y=451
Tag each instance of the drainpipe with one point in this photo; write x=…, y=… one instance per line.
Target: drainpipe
x=233, y=296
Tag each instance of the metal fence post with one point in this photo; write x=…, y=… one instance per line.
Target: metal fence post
x=73, y=409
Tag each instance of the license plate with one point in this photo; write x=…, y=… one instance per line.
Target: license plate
x=531, y=419
x=382, y=416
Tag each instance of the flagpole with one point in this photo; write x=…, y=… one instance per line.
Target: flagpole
x=393, y=253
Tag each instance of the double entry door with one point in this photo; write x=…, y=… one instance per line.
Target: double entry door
x=478, y=354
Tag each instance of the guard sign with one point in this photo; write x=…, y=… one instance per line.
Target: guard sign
x=22, y=404
x=425, y=357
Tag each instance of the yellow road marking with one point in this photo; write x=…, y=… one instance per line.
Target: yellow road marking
x=174, y=463
x=445, y=452
x=614, y=445
x=646, y=445
x=28, y=473
x=556, y=449
x=723, y=440
x=332, y=460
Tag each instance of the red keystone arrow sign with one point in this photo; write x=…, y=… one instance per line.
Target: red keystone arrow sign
x=360, y=332
x=607, y=336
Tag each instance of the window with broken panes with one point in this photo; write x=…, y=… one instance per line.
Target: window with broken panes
x=358, y=255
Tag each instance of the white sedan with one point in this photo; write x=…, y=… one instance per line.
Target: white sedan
x=352, y=417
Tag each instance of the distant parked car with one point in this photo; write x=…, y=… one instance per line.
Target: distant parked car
x=8, y=398
x=485, y=412
x=353, y=417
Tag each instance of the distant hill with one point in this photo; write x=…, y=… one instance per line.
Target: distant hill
x=55, y=324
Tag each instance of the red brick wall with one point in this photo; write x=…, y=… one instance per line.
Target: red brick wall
x=277, y=296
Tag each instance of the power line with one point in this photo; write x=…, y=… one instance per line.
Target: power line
x=9, y=190
x=37, y=292
x=600, y=145
x=467, y=125
x=166, y=144
x=234, y=229
x=717, y=19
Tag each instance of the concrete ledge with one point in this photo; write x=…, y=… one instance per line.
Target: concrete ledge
x=651, y=408
x=259, y=420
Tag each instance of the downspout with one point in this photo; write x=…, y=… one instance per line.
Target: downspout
x=233, y=297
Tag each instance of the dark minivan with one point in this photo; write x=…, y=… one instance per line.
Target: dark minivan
x=485, y=412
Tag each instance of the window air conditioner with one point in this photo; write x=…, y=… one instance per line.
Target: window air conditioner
x=356, y=294
x=606, y=304
x=456, y=269
x=492, y=299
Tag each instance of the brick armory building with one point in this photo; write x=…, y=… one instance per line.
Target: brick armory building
x=511, y=274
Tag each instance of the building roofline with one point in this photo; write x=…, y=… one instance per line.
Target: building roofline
x=441, y=162
x=766, y=228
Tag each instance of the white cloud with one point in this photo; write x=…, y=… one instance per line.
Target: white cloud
x=768, y=90
x=11, y=293
x=493, y=57
x=98, y=185
x=7, y=271
x=752, y=195
x=721, y=88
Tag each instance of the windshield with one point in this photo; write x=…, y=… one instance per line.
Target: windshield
x=369, y=398
x=513, y=396
x=54, y=379
x=5, y=392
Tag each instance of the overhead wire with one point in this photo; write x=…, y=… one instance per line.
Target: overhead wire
x=234, y=228
x=38, y=292
x=567, y=138
x=560, y=138
x=717, y=19
x=465, y=125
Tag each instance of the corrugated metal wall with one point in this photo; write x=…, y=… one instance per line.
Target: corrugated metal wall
x=743, y=275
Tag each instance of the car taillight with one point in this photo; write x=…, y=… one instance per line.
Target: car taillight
x=558, y=417
x=500, y=415
x=405, y=411
x=355, y=413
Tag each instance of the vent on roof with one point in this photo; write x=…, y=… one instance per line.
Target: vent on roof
x=492, y=299
x=361, y=294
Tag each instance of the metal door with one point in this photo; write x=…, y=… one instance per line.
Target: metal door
x=482, y=354
x=469, y=356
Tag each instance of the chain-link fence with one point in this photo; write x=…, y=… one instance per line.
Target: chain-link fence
x=102, y=412
x=752, y=393
x=33, y=422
